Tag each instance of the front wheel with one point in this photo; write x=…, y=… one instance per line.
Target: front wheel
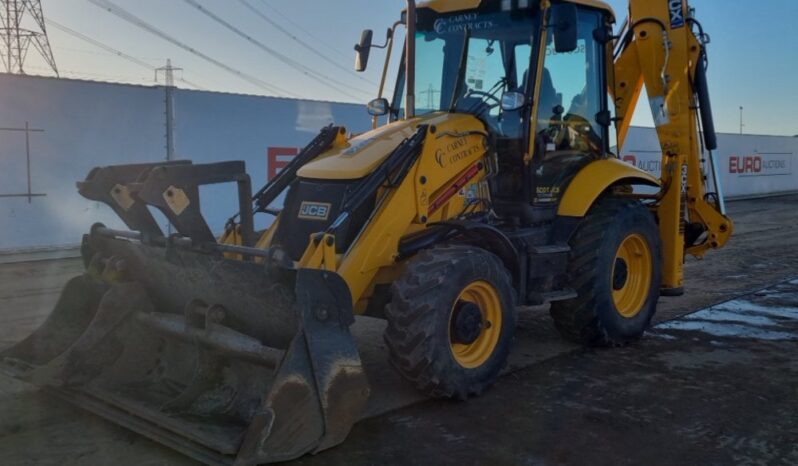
x=451, y=321
x=615, y=268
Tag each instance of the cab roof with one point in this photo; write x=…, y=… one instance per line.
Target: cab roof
x=448, y=6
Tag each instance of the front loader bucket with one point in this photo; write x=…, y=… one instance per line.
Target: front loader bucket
x=229, y=362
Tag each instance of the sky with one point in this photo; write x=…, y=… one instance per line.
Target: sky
x=753, y=54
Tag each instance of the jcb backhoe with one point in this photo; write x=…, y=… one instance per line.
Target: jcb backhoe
x=488, y=183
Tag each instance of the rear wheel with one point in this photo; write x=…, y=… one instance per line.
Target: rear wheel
x=616, y=272
x=451, y=321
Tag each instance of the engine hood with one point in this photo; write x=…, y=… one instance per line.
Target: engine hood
x=364, y=153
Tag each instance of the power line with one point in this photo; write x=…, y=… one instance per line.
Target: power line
x=104, y=53
x=302, y=29
x=99, y=44
x=310, y=73
x=140, y=23
x=324, y=80
x=129, y=17
x=301, y=42
x=108, y=48
x=93, y=76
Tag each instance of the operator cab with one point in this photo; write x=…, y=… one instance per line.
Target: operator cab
x=572, y=121
x=485, y=62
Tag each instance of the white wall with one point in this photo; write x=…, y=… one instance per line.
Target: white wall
x=214, y=127
x=88, y=124
x=84, y=125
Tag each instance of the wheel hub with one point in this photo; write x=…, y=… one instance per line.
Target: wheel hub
x=466, y=323
x=475, y=324
x=631, y=275
x=620, y=275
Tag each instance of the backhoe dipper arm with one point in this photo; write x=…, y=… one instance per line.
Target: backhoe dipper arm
x=659, y=49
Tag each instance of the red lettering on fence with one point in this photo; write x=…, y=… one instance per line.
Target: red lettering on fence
x=277, y=158
x=743, y=165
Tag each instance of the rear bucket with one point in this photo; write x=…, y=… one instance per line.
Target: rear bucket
x=222, y=360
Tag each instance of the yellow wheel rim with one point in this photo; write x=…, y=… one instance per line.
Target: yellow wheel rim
x=631, y=276
x=483, y=296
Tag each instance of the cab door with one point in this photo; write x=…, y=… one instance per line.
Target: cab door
x=572, y=104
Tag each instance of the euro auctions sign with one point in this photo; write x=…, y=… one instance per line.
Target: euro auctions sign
x=278, y=158
x=761, y=165
x=749, y=165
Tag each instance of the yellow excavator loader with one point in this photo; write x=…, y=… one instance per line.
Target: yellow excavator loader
x=489, y=185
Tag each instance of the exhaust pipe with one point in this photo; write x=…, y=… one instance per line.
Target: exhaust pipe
x=410, y=60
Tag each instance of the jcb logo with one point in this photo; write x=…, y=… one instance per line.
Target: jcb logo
x=677, y=13
x=314, y=211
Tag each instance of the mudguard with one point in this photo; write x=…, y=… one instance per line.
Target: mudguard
x=595, y=179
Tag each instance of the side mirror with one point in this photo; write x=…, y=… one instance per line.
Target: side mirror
x=604, y=118
x=379, y=107
x=564, y=24
x=512, y=101
x=363, y=50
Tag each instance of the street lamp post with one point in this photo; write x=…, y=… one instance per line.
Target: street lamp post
x=741, y=121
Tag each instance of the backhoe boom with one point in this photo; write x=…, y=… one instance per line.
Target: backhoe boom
x=658, y=48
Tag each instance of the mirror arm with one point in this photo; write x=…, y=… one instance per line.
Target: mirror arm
x=375, y=120
x=410, y=61
x=388, y=38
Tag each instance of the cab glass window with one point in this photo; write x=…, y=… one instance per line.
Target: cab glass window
x=572, y=93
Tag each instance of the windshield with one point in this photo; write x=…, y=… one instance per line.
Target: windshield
x=464, y=61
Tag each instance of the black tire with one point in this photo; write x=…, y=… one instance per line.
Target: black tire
x=593, y=318
x=423, y=302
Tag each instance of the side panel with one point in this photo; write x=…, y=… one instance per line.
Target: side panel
x=434, y=189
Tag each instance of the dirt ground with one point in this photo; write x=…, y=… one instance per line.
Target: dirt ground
x=720, y=388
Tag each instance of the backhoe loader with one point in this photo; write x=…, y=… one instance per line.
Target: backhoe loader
x=488, y=183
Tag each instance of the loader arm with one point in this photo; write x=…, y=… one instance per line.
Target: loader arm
x=658, y=48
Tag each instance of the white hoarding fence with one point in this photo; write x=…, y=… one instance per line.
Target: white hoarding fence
x=53, y=131
x=749, y=165
x=77, y=125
